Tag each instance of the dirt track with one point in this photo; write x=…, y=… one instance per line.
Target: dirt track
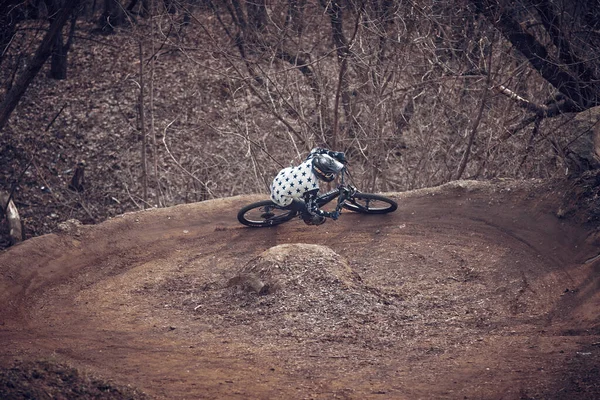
x=471, y=291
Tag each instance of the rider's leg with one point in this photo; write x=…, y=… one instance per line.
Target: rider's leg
x=299, y=205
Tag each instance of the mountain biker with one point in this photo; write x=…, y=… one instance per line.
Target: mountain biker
x=296, y=188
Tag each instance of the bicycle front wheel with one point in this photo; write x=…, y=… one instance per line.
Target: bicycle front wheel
x=367, y=203
x=264, y=214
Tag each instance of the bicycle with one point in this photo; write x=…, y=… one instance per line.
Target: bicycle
x=266, y=213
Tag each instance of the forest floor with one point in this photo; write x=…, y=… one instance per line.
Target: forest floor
x=473, y=290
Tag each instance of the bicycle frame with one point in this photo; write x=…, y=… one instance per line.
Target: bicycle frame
x=343, y=192
x=265, y=213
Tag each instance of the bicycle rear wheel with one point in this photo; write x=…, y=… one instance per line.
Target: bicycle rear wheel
x=264, y=214
x=367, y=203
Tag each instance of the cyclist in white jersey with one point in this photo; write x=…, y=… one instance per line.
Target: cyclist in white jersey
x=296, y=188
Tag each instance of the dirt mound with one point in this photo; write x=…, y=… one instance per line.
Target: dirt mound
x=305, y=290
x=581, y=199
x=47, y=380
x=298, y=269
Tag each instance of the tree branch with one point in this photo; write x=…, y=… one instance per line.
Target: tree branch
x=582, y=93
x=554, y=108
x=552, y=25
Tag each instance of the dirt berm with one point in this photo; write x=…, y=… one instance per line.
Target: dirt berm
x=467, y=291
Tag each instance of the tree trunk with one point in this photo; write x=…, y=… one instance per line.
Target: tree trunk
x=58, y=62
x=334, y=10
x=8, y=208
x=143, y=130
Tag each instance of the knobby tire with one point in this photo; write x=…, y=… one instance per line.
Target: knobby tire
x=367, y=203
x=256, y=214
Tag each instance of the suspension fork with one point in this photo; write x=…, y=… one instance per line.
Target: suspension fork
x=333, y=193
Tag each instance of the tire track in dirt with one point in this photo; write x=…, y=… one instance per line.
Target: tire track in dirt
x=121, y=298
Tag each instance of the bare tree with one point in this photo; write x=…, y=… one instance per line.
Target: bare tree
x=39, y=58
x=557, y=52
x=559, y=39
x=58, y=64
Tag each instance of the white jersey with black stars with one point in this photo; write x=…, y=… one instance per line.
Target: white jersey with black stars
x=292, y=182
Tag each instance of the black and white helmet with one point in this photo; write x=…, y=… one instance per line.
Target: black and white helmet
x=326, y=167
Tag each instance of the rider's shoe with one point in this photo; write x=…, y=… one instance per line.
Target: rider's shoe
x=314, y=220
